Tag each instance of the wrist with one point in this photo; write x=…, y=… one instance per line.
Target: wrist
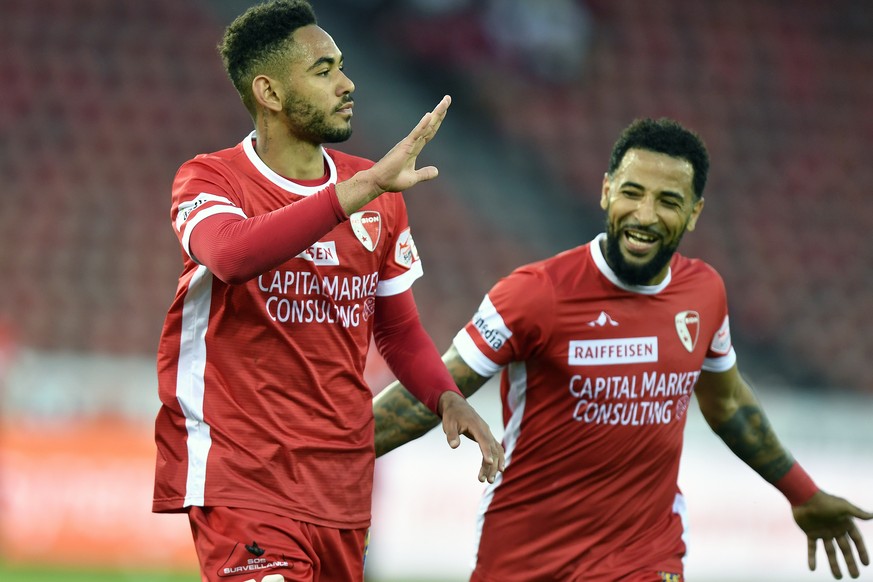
x=447, y=399
x=796, y=485
x=357, y=191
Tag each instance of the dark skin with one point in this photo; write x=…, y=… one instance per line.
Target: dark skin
x=650, y=203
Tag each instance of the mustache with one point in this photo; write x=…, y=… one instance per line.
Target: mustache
x=347, y=100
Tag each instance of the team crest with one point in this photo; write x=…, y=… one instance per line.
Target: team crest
x=367, y=226
x=688, y=328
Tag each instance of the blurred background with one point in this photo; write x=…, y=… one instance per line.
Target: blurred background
x=102, y=100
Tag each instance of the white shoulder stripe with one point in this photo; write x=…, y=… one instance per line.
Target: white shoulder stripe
x=401, y=283
x=471, y=354
x=722, y=363
x=187, y=207
x=206, y=213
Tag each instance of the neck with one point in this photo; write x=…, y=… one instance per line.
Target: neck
x=286, y=155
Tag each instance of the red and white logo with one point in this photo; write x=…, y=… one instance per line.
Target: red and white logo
x=405, y=253
x=688, y=328
x=367, y=226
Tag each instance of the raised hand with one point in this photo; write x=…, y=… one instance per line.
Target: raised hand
x=832, y=520
x=396, y=170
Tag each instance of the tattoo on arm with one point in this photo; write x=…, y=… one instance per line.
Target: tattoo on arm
x=749, y=435
x=401, y=417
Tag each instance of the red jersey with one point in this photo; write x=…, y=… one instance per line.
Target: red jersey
x=597, y=379
x=264, y=403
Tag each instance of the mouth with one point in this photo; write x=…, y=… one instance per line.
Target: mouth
x=639, y=242
x=346, y=109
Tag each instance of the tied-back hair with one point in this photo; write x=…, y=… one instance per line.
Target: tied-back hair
x=664, y=136
x=255, y=42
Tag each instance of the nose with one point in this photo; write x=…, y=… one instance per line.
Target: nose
x=346, y=85
x=645, y=211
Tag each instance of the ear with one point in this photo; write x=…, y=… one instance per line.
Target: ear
x=267, y=93
x=604, y=192
x=695, y=214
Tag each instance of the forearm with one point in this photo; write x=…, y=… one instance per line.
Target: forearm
x=748, y=433
x=400, y=418
x=237, y=250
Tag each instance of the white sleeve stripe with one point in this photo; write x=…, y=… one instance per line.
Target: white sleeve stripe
x=206, y=213
x=401, y=283
x=471, y=354
x=721, y=363
x=185, y=208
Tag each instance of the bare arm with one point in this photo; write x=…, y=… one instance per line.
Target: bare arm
x=401, y=417
x=732, y=411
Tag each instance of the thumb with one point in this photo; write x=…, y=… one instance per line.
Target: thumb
x=860, y=513
x=452, y=436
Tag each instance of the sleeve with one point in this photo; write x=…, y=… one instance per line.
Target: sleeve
x=720, y=356
x=409, y=351
x=402, y=265
x=512, y=323
x=237, y=248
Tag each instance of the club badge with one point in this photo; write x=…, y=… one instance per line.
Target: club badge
x=688, y=328
x=367, y=226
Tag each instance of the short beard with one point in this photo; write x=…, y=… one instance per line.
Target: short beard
x=630, y=274
x=311, y=125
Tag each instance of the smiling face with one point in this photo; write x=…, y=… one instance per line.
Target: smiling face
x=318, y=103
x=649, y=203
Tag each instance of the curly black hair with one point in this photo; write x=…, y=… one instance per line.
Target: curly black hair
x=664, y=136
x=255, y=41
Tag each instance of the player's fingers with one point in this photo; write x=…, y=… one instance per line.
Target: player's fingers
x=831, y=552
x=452, y=434
x=848, y=555
x=860, y=513
x=810, y=552
x=427, y=173
x=428, y=125
x=858, y=539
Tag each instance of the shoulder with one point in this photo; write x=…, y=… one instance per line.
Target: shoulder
x=220, y=161
x=694, y=269
x=348, y=161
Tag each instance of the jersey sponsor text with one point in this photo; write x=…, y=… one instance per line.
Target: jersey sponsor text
x=629, y=350
x=305, y=297
x=649, y=398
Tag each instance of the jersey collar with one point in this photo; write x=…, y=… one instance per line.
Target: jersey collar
x=607, y=271
x=285, y=183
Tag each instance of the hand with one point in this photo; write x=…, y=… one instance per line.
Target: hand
x=396, y=170
x=830, y=518
x=459, y=418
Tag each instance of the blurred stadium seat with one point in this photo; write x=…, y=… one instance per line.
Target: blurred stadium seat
x=779, y=92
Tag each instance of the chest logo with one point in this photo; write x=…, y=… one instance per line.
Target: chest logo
x=602, y=321
x=367, y=226
x=688, y=328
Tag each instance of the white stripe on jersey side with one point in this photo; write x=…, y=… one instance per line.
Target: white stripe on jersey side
x=190, y=386
x=516, y=399
x=681, y=509
x=206, y=213
x=401, y=283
